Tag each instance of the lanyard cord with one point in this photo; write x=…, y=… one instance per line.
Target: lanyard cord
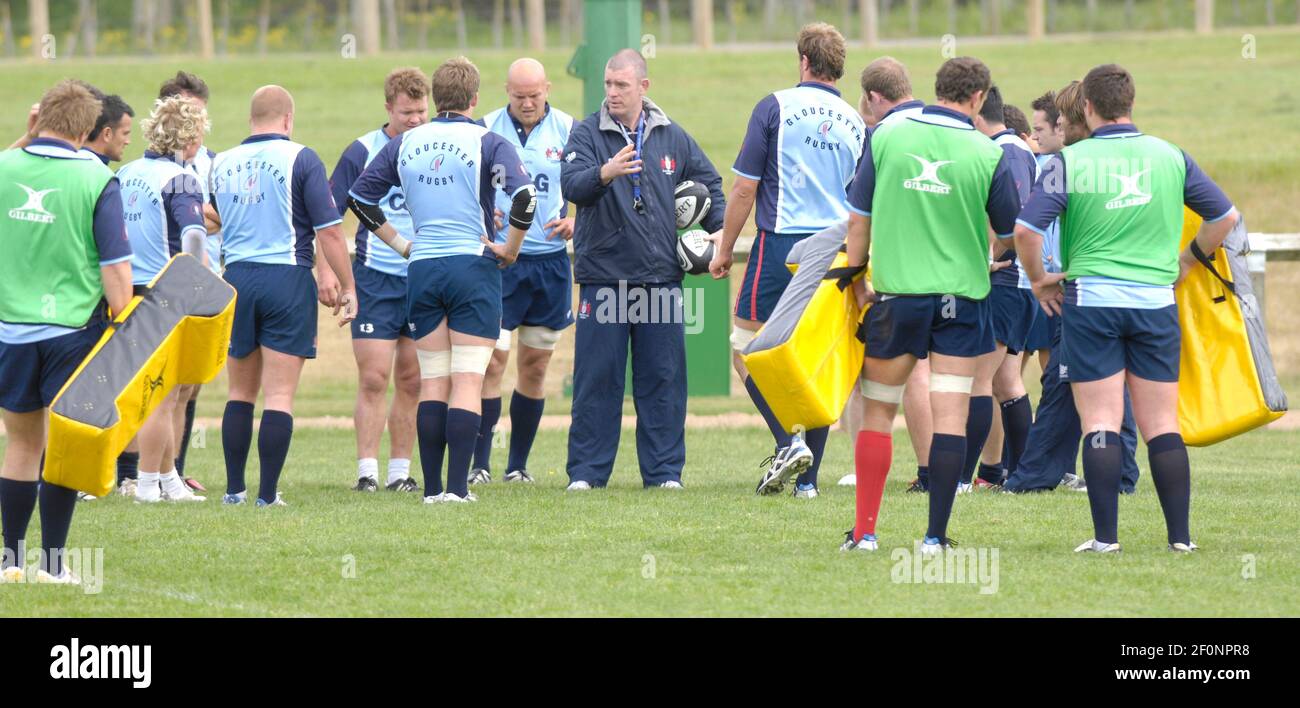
x=640, y=141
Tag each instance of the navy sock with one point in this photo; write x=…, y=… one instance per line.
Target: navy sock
x=1102, y=457
x=923, y=474
x=17, y=502
x=991, y=473
x=1017, y=417
x=431, y=430
x=778, y=431
x=185, y=438
x=947, y=453
x=57, y=505
x=128, y=466
x=272, y=449
x=1172, y=475
x=979, y=421
x=525, y=416
x=816, y=439
x=236, y=440
x=462, y=428
x=488, y=420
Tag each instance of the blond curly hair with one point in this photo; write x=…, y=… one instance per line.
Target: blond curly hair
x=174, y=124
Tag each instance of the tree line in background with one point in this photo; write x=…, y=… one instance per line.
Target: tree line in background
x=67, y=28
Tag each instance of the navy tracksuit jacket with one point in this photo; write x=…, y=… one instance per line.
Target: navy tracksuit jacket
x=630, y=295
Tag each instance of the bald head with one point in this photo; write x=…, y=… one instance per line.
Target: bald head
x=270, y=105
x=525, y=71
x=528, y=91
x=628, y=59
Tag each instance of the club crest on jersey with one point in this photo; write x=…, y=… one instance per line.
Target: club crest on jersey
x=554, y=153
x=584, y=310
x=437, y=162
x=34, y=208
x=824, y=129
x=135, y=197
x=668, y=164
x=928, y=180
x=1130, y=194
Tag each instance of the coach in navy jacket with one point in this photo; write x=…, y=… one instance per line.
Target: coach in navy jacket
x=621, y=167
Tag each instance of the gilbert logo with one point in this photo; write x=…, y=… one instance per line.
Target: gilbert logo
x=34, y=208
x=928, y=180
x=122, y=661
x=1130, y=194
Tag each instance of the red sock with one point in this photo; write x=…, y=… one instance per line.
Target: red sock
x=872, y=456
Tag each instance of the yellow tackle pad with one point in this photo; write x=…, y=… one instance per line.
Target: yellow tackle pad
x=176, y=333
x=1227, y=383
x=807, y=357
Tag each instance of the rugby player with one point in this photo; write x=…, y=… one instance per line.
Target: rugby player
x=195, y=89
x=1053, y=445
x=381, y=338
x=274, y=201
x=537, y=291
x=887, y=95
x=933, y=185
x=796, y=161
x=70, y=202
x=448, y=169
x=162, y=204
x=1013, y=309
x=1120, y=197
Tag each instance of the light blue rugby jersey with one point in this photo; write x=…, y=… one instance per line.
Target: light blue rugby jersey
x=372, y=252
x=272, y=196
x=1051, y=239
x=541, y=150
x=802, y=145
x=448, y=169
x=161, y=200
x=202, y=164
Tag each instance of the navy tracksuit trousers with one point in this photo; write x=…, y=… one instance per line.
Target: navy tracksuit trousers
x=1054, y=437
x=609, y=319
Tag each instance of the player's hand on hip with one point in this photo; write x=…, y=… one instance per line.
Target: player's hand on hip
x=347, y=304
x=863, y=293
x=622, y=163
x=502, y=251
x=995, y=266
x=1186, y=261
x=559, y=228
x=720, y=266
x=499, y=219
x=1049, y=293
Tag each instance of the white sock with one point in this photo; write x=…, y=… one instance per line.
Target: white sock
x=398, y=469
x=148, y=481
x=367, y=467
x=171, y=482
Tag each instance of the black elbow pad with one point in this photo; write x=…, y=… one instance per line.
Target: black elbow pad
x=522, y=207
x=371, y=216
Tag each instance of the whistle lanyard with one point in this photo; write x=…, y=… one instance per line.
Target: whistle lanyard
x=636, y=177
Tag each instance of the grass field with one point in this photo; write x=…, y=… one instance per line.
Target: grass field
x=714, y=549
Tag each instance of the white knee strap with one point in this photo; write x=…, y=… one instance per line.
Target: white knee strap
x=470, y=360
x=947, y=383
x=881, y=392
x=741, y=337
x=539, y=337
x=503, y=341
x=434, y=365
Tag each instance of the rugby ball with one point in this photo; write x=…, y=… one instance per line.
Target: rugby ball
x=692, y=203
x=694, y=251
